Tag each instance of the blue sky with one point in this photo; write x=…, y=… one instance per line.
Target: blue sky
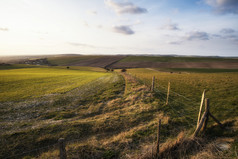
x=183, y=27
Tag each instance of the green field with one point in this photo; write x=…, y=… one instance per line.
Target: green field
x=220, y=87
x=18, y=84
x=112, y=114
x=18, y=66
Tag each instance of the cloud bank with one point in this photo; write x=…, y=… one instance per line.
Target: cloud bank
x=227, y=31
x=4, y=29
x=170, y=26
x=228, y=34
x=223, y=6
x=197, y=35
x=80, y=45
x=125, y=8
x=123, y=29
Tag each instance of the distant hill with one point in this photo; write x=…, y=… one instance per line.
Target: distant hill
x=130, y=61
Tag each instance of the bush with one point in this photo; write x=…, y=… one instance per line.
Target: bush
x=123, y=70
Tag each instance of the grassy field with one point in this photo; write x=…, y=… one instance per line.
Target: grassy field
x=113, y=114
x=220, y=88
x=18, y=66
x=18, y=84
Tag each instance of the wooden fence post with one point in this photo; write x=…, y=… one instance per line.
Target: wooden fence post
x=200, y=124
x=207, y=107
x=215, y=119
x=158, y=138
x=204, y=120
x=167, y=100
x=153, y=84
x=200, y=111
x=62, y=149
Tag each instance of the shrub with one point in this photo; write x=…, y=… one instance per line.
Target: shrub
x=123, y=70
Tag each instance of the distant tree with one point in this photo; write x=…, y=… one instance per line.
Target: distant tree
x=67, y=67
x=123, y=70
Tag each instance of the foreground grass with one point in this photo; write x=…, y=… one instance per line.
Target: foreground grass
x=115, y=117
x=39, y=122
x=19, y=84
x=127, y=126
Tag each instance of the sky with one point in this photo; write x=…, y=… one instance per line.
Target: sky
x=182, y=27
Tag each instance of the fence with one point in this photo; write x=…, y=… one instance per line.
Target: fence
x=201, y=121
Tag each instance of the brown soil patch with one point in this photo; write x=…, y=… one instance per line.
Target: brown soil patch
x=221, y=65
x=103, y=61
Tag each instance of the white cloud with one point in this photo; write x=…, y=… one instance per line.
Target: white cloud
x=80, y=45
x=92, y=12
x=170, y=26
x=197, y=35
x=4, y=29
x=228, y=35
x=174, y=42
x=123, y=29
x=85, y=23
x=123, y=8
x=227, y=31
x=223, y=6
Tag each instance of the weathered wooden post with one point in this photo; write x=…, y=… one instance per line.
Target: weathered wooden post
x=62, y=149
x=158, y=138
x=216, y=120
x=200, y=111
x=207, y=107
x=204, y=120
x=153, y=84
x=204, y=117
x=167, y=100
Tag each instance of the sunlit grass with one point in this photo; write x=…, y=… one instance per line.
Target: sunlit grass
x=17, y=84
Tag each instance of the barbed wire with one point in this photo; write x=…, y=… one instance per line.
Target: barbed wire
x=179, y=113
x=148, y=83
